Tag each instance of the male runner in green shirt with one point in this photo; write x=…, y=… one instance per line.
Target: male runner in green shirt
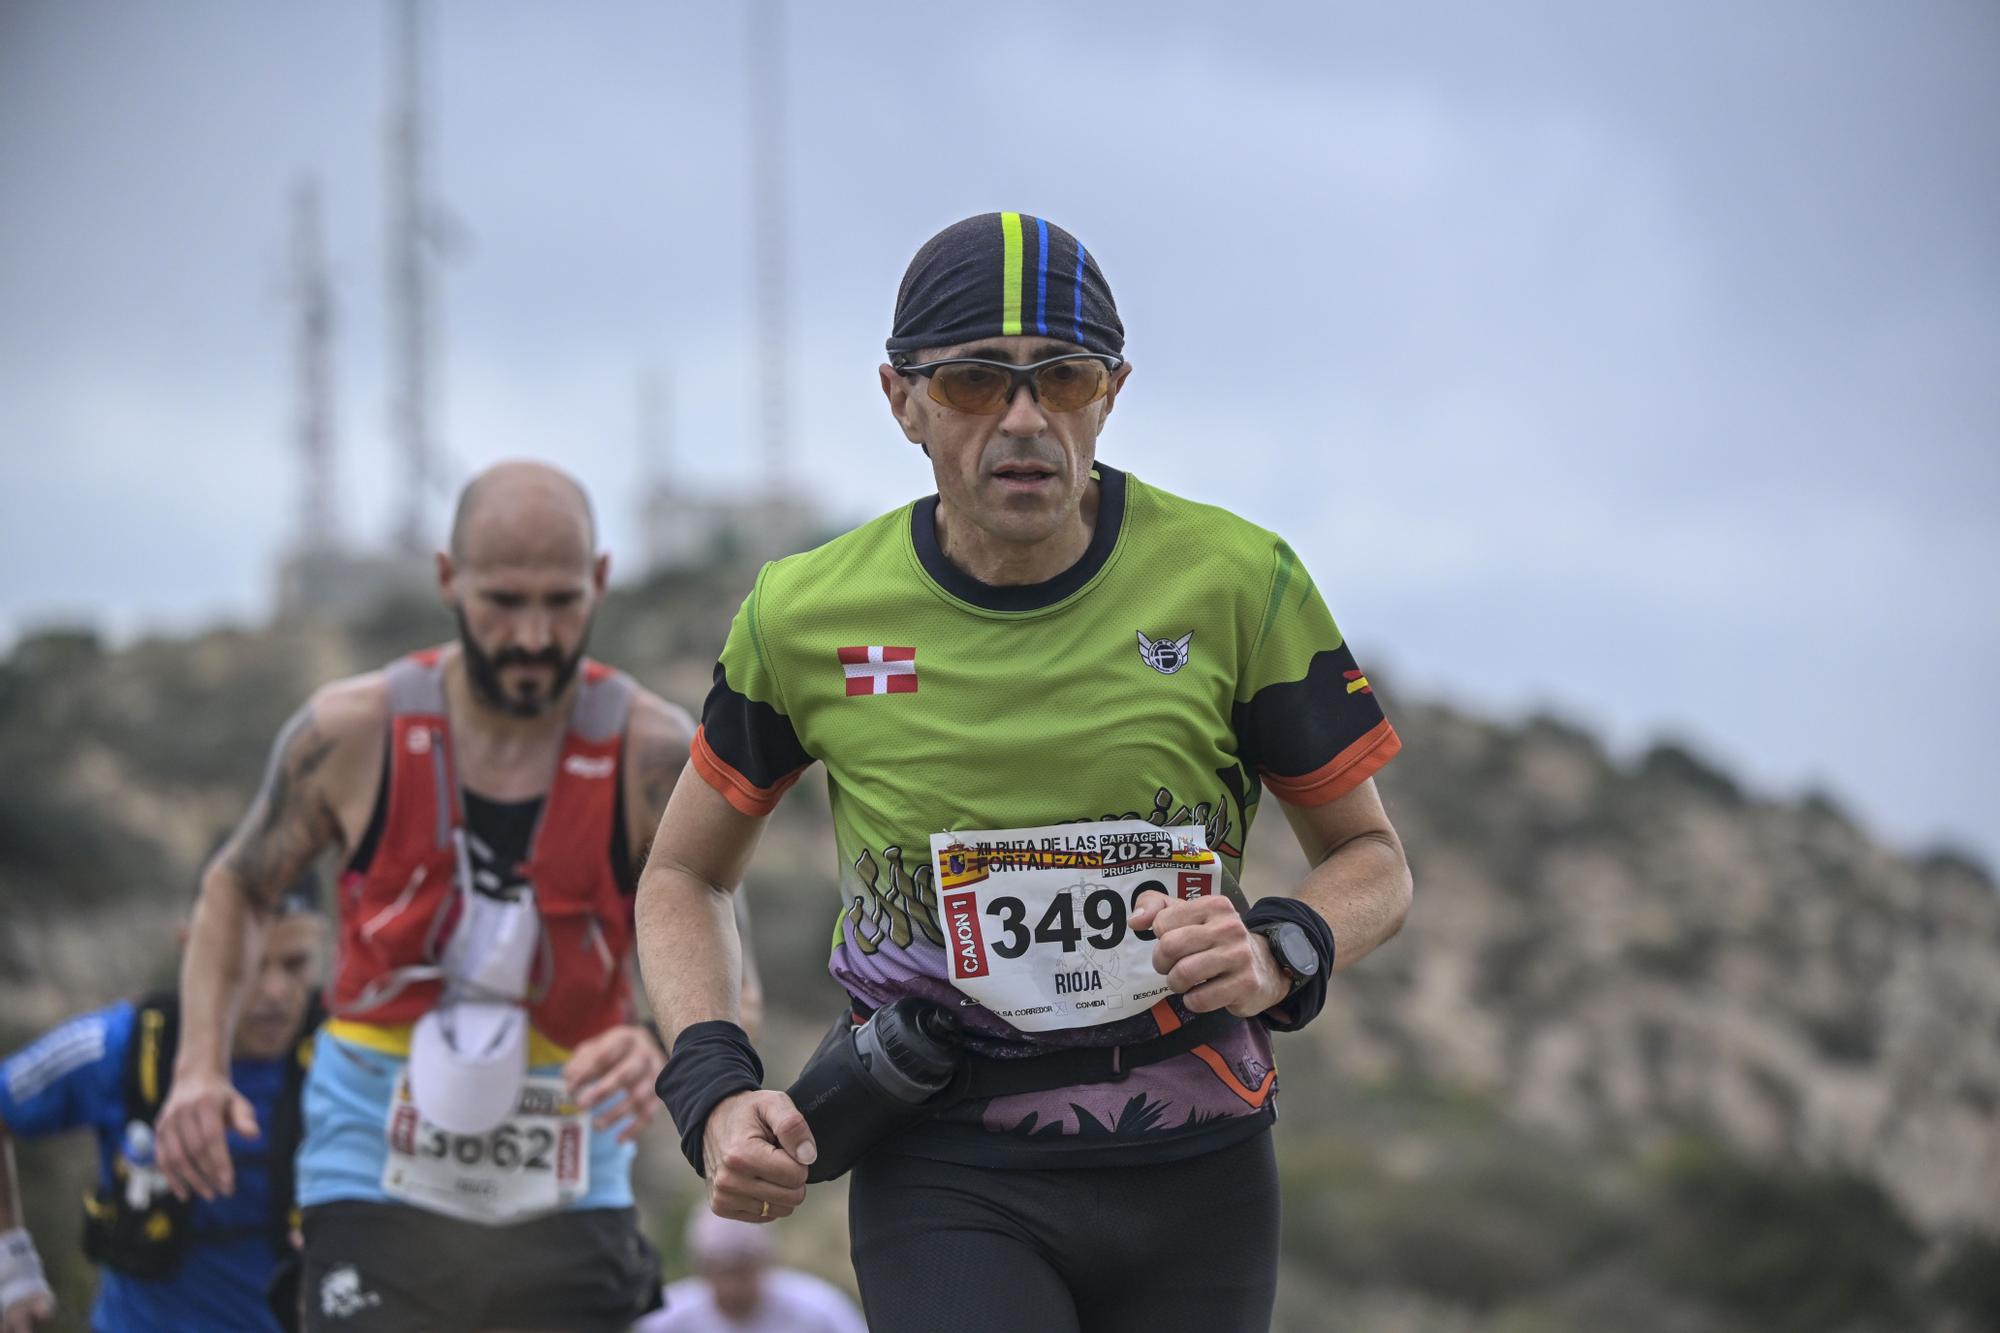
x=1022, y=687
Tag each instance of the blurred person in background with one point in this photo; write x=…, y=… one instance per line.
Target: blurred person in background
x=475, y=1094
x=737, y=1288
x=164, y=1262
x=1099, y=1153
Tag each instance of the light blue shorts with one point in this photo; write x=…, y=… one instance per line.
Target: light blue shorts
x=346, y=1148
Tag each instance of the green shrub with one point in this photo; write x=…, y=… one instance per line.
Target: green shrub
x=1781, y=1249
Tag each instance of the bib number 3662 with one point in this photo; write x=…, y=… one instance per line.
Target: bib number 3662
x=535, y=1161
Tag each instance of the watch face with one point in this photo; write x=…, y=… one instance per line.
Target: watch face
x=1295, y=950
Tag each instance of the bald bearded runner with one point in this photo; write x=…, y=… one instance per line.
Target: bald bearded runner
x=474, y=1095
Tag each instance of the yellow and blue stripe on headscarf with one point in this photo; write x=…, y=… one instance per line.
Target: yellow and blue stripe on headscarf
x=1001, y=275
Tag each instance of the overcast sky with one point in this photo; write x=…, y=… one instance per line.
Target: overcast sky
x=1643, y=365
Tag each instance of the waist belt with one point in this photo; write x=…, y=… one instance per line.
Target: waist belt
x=983, y=1076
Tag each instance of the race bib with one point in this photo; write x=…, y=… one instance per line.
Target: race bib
x=535, y=1161
x=1037, y=920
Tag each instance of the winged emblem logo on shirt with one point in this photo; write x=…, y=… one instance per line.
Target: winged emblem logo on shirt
x=1165, y=656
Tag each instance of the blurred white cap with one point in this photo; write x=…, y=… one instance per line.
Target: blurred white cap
x=467, y=1063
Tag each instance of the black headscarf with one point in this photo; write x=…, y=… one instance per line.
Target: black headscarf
x=1000, y=274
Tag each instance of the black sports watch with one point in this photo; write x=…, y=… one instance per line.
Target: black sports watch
x=1293, y=949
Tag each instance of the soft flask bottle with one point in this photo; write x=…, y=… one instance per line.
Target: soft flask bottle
x=865, y=1082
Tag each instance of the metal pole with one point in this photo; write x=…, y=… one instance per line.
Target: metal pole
x=769, y=225
x=318, y=525
x=409, y=296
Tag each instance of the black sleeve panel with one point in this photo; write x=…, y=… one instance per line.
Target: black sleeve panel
x=1307, y=736
x=752, y=738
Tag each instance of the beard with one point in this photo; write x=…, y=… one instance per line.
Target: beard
x=484, y=671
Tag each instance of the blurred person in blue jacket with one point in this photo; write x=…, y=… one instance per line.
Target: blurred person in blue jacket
x=165, y=1263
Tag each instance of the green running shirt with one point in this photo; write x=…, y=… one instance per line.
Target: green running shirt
x=1182, y=666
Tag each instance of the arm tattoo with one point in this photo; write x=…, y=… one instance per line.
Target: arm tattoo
x=288, y=824
x=656, y=765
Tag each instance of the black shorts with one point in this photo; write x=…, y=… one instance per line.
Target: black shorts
x=387, y=1268
x=1172, y=1247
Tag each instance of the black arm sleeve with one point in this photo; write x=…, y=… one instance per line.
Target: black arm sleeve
x=710, y=1061
x=1304, y=1004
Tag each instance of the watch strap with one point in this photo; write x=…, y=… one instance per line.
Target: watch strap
x=1304, y=1003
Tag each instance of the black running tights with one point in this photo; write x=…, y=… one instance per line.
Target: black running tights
x=1177, y=1246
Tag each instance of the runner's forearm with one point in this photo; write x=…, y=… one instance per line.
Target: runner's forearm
x=752, y=991
x=689, y=951
x=227, y=931
x=1363, y=889
x=11, y=1215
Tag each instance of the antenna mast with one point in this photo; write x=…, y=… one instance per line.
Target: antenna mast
x=313, y=342
x=655, y=432
x=769, y=207
x=663, y=517
x=410, y=302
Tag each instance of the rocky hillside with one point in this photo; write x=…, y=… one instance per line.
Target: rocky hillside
x=1652, y=1053
x=1618, y=955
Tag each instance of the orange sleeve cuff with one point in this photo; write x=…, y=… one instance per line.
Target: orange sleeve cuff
x=1342, y=773
x=738, y=790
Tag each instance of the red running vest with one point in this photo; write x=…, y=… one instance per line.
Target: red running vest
x=396, y=915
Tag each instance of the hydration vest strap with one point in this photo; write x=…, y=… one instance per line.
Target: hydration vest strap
x=288, y=1130
x=416, y=684
x=603, y=705
x=150, y=1244
x=149, y=1061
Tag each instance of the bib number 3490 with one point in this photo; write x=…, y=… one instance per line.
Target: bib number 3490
x=1038, y=921
x=1106, y=918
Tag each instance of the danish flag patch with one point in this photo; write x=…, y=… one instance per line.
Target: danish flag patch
x=879, y=670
